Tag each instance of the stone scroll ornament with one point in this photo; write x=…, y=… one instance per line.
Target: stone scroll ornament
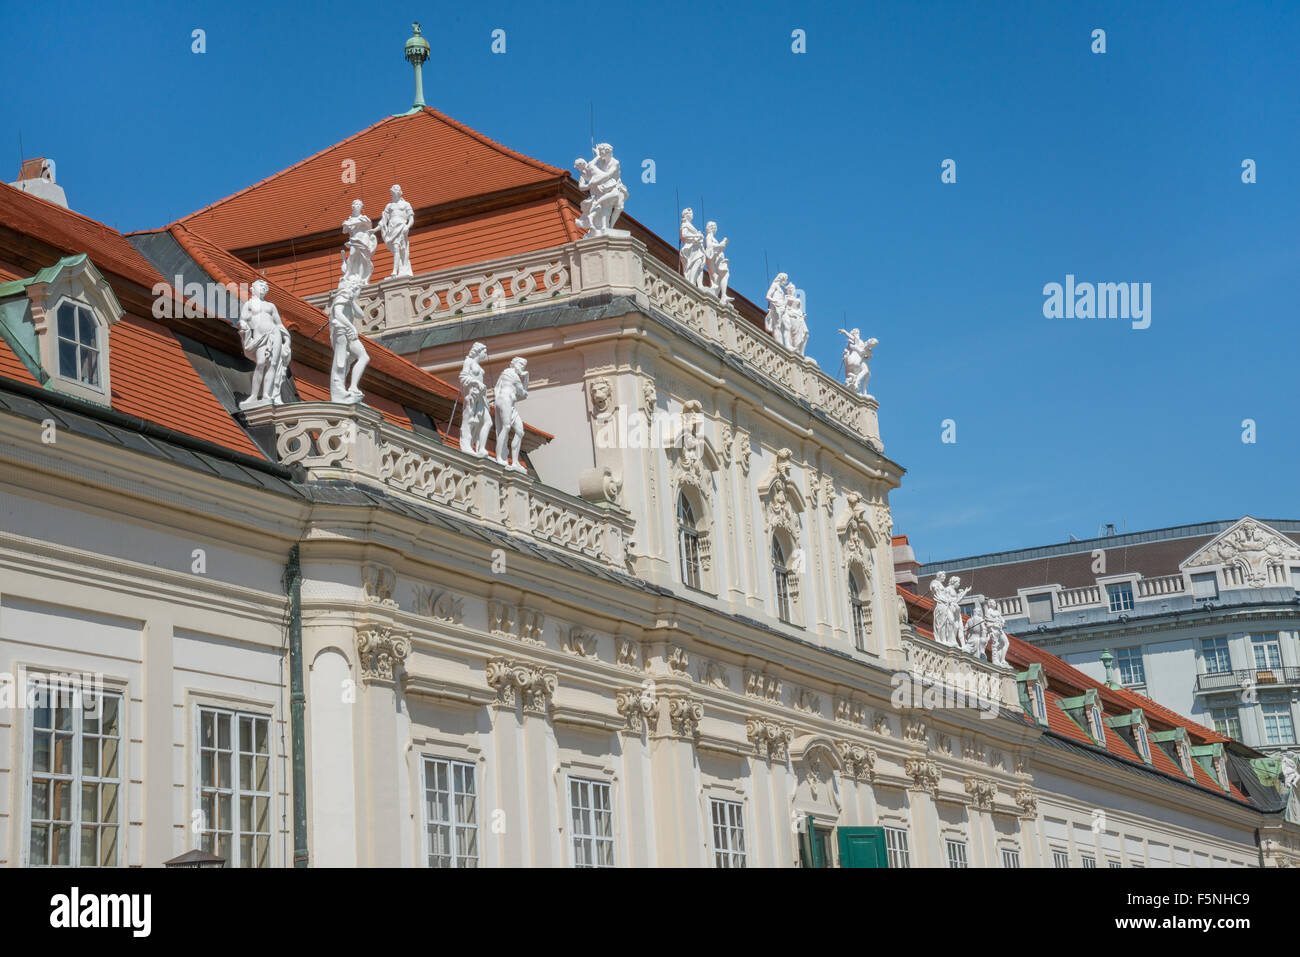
x=511, y=388
x=602, y=178
x=475, y=421
x=266, y=341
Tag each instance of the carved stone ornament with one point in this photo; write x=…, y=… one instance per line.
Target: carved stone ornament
x=770, y=738
x=579, y=642
x=743, y=451
x=649, y=401
x=379, y=651
x=510, y=679
x=712, y=674
x=693, y=459
x=639, y=708
x=441, y=605
x=1027, y=802
x=684, y=714
x=602, y=179
x=858, y=760
x=761, y=685
x=344, y=315
x=848, y=711
x=678, y=661
x=601, y=394
x=855, y=531
x=982, y=792
x=1251, y=548
x=378, y=582
x=880, y=724
x=782, y=500
x=924, y=773
x=629, y=655
x=805, y=700
x=914, y=731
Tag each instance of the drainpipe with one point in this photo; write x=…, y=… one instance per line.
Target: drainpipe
x=297, y=708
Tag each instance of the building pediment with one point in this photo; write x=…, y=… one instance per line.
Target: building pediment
x=1249, y=545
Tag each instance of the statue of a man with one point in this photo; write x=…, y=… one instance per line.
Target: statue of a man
x=715, y=254
x=976, y=632
x=266, y=341
x=995, y=624
x=395, y=227
x=360, y=247
x=344, y=311
x=602, y=178
x=692, y=251
x=773, y=321
x=796, y=326
x=474, y=419
x=856, y=354
x=511, y=389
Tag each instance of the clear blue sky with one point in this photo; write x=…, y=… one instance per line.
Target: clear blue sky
x=1124, y=166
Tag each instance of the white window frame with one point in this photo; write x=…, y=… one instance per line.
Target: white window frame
x=453, y=824
x=590, y=787
x=1217, y=644
x=955, y=849
x=1010, y=858
x=1087, y=861
x=733, y=848
x=236, y=789
x=1125, y=591
x=1144, y=743
x=690, y=546
x=1060, y=858
x=782, y=593
x=1141, y=664
x=1271, y=643
x=76, y=780
x=897, y=849
x=1098, y=727
x=1232, y=716
x=1280, y=710
x=1111, y=862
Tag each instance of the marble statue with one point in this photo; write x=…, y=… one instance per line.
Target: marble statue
x=266, y=341
x=601, y=177
x=692, y=250
x=995, y=624
x=511, y=389
x=395, y=227
x=773, y=321
x=796, y=326
x=976, y=632
x=1290, y=773
x=361, y=244
x=947, y=609
x=856, y=354
x=345, y=310
x=715, y=255
x=474, y=418
x=692, y=443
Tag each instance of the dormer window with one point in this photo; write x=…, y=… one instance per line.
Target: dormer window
x=1032, y=683
x=1094, y=724
x=1133, y=729
x=1144, y=746
x=79, y=345
x=1085, y=711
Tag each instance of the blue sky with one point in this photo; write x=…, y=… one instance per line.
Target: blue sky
x=1115, y=167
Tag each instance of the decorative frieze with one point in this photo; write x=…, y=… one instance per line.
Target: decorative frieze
x=805, y=700
x=629, y=655
x=684, y=714
x=924, y=773
x=914, y=730
x=441, y=605
x=982, y=792
x=511, y=680
x=378, y=582
x=579, y=642
x=639, y=708
x=770, y=738
x=764, y=686
x=380, y=650
x=678, y=661
x=1027, y=801
x=859, y=761
x=712, y=674
x=850, y=712
x=880, y=724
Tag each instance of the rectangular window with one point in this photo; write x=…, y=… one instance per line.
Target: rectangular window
x=1144, y=744
x=1131, y=671
x=1278, y=726
x=591, y=810
x=1010, y=858
x=1121, y=596
x=75, y=786
x=1114, y=863
x=1217, y=659
x=235, y=786
x=1040, y=607
x=1205, y=585
x=1060, y=859
x=1227, y=721
x=728, y=833
x=956, y=853
x=450, y=813
x=1268, y=653
x=1087, y=860
x=896, y=846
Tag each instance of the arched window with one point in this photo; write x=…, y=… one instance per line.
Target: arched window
x=780, y=580
x=861, y=610
x=688, y=543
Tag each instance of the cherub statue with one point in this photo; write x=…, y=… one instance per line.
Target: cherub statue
x=266, y=341
x=511, y=388
x=474, y=419
x=345, y=309
x=856, y=354
x=602, y=178
x=716, y=256
x=691, y=253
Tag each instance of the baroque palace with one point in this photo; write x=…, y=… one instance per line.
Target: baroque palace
x=285, y=578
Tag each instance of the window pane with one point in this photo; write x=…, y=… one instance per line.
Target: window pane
x=86, y=328
x=68, y=359
x=68, y=322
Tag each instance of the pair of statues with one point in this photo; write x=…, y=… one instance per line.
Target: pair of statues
x=856, y=353
x=395, y=228
x=785, y=318
x=511, y=389
x=602, y=178
x=984, y=627
x=700, y=250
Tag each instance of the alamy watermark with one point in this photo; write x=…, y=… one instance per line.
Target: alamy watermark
x=1104, y=300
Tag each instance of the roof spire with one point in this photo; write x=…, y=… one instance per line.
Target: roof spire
x=416, y=52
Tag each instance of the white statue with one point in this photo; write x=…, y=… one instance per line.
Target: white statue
x=1290, y=772
x=511, y=388
x=606, y=194
x=361, y=244
x=692, y=250
x=796, y=327
x=856, y=354
x=474, y=419
x=773, y=321
x=995, y=626
x=974, y=639
x=344, y=311
x=716, y=256
x=947, y=609
x=266, y=341
x=395, y=227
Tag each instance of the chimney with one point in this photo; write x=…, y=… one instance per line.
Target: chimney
x=36, y=176
x=905, y=564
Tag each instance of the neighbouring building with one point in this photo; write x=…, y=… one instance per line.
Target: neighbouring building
x=318, y=632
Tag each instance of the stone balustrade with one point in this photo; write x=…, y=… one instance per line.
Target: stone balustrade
x=960, y=679
x=613, y=266
x=1076, y=597
x=354, y=443
x=1164, y=585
